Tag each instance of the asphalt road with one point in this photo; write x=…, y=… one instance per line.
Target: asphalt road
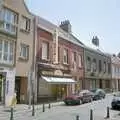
x=63, y=112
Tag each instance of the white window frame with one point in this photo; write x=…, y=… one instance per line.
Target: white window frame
x=80, y=61
x=65, y=55
x=12, y=22
x=25, y=24
x=45, y=50
x=22, y=46
x=8, y=53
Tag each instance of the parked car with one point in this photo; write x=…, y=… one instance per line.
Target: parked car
x=86, y=96
x=98, y=94
x=83, y=96
x=116, y=101
x=72, y=99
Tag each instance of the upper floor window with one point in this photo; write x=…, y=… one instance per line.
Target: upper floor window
x=104, y=67
x=6, y=52
x=94, y=65
x=75, y=56
x=65, y=56
x=88, y=64
x=58, y=54
x=79, y=60
x=9, y=20
x=100, y=65
x=109, y=68
x=24, y=51
x=25, y=24
x=45, y=50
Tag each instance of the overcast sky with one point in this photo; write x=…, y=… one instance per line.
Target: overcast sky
x=88, y=18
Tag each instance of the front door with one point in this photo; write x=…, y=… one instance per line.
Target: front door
x=17, y=88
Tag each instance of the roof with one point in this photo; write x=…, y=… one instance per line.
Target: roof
x=115, y=59
x=50, y=27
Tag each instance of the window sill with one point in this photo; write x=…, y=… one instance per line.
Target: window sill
x=23, y=59
x=66, y=64
x=8, y=33
x=47, y=60
x=25, y=31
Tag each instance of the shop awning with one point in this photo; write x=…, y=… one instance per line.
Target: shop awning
x=57, y=80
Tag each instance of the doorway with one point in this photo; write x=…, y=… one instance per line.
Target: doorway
x=2, y=87
x=17, y=88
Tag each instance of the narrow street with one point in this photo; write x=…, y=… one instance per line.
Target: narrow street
x=63, y=112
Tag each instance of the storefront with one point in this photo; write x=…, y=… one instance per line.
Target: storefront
x=54, y=86
x=7, y=85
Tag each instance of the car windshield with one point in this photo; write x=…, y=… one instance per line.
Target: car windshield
x=94, y=90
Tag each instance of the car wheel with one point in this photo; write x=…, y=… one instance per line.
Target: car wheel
x=104, y=97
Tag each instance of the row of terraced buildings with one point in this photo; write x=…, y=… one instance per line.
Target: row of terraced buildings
x=38, y=57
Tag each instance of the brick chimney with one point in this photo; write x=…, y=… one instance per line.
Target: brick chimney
x=66, y=26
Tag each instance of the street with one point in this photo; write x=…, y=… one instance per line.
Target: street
x=63, y=112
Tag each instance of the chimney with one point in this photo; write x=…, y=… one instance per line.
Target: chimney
x=66, y=26
x=95, y=41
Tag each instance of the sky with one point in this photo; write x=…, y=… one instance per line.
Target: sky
x=88, y=18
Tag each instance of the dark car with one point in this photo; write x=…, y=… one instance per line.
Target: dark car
x=83, y=96
x=98, y=94
x=116, y=101
x=72, y=99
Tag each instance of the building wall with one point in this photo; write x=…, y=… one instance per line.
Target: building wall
x=115, y=65
x=97, y=75
x=76, y=72
x=24, y=37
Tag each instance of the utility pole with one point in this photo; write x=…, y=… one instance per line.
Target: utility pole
x=29, y=87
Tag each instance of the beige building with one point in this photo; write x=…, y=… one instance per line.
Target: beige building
x=16, y=48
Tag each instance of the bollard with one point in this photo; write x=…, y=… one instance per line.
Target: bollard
x=43, y=107
x=49, y=106
x=91, y=114
x=108, y=113
x=77, y=117
x=11, y=116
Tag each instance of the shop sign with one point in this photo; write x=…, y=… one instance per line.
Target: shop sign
x=58, y=73
x=47, y=73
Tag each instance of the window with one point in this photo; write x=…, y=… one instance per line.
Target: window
x=58, y=54
x=109, y=68
x=45, y=50
x=24, y=51
x=25, y=24
x=65, y=56
x=100, y=66
x=10, y=20
x=94, y=65
x=80, y=60
x=104, y=66
x=88, y=64
x=6, y=52
x=75, y=56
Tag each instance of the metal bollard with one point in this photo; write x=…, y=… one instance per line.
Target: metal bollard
x=108, y=113
x=43, y=107
x=49, y=106
x=77, y=117
x=91, y=114
x=11, y=111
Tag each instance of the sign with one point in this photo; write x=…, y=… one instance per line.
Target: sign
x=47, y=73
x=58, y=72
